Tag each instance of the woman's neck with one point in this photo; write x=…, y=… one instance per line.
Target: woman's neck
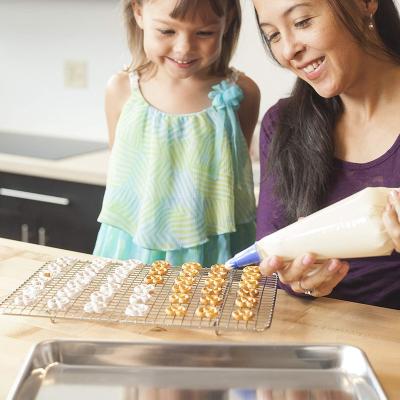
x=370, y=122
x=376, y=88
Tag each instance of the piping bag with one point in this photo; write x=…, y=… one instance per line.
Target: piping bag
x=350, y=228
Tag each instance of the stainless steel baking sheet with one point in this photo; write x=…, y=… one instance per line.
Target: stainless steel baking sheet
x=173, y=371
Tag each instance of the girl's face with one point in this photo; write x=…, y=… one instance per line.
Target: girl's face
x=307, y=38
x=186, y=47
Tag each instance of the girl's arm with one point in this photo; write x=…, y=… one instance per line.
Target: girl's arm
x=249, y=108
x=117, y=92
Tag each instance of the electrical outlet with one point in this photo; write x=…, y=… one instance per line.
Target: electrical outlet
x=75, y=74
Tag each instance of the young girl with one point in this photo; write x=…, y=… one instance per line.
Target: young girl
x=180, y=184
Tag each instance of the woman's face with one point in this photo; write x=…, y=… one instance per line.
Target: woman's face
x=307, y=38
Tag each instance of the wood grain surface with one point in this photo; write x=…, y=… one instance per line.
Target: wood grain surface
x=374, y=330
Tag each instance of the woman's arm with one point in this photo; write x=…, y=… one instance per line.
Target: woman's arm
x=391, y=218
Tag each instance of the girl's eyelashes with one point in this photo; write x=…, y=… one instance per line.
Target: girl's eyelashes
x=169, y=32
x=166, y=31
x=205, y=33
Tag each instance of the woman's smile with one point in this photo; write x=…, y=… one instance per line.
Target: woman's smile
x=314, y=69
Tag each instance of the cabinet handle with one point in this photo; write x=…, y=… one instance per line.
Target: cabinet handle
x=44, y=198
x=42, y=236
x=25, y=233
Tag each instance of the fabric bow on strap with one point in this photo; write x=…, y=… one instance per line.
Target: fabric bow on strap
x=226, y=94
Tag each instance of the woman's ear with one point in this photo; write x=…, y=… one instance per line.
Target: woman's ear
x=369, y=7
x=137, y=13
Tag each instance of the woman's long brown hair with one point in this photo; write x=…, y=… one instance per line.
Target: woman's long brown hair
x=302, y=150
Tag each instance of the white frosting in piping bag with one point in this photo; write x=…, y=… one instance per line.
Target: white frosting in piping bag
x=350, y=228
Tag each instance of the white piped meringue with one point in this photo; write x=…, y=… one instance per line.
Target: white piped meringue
x=137, y=310
x=51, y=304
x=139, y=298
x=88, y=307
x=99, y=307
x=19, y=301
x=144, y=288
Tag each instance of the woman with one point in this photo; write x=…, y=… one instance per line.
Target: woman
x=337, y=134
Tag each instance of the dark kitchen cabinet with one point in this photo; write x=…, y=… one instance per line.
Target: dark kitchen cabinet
x=50, y=212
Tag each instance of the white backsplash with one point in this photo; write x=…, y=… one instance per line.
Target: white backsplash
x=37, y=38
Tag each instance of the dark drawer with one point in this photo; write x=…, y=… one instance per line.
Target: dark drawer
x=58, y=213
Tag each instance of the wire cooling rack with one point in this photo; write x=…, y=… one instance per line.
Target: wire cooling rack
x=115, y=311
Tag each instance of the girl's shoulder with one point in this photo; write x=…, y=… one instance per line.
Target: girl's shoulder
x=235, y=89
x=117, y=93
x=119, y=85
x=251, y=94
x=248, y=86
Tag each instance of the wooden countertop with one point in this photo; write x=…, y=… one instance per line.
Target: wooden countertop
x=374, y=330
x=90, y=168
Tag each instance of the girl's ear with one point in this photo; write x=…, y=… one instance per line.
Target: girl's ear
x=137, y=13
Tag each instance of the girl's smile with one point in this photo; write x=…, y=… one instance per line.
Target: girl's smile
x=183, y=64
x=185, y=47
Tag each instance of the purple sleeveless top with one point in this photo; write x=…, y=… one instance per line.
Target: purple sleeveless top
x=374, y=280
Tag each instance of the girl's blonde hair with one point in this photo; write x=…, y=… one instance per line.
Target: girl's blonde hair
x=229, y=8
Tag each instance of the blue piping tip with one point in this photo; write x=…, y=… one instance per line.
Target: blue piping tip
x=245, y=257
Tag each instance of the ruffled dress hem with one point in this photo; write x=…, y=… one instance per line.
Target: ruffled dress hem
x=115, y=243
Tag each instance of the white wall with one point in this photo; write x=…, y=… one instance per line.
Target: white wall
x=37, y=37
x=251, y=58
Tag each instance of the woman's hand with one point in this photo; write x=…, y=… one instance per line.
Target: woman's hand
x=391, y=218
x=304, y=275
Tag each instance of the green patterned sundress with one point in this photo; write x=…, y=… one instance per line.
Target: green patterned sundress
x=179, y=187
